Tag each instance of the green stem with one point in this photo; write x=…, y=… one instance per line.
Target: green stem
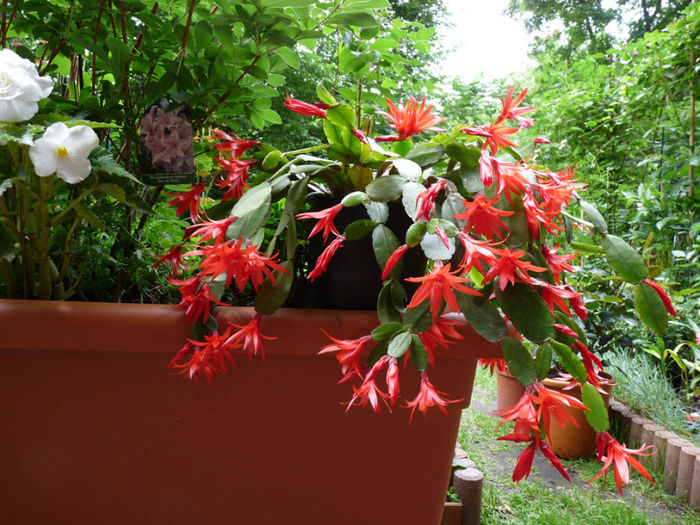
x=66, y=251
x=71, y=205
x=577, y=219
x=305, y=150
x=6, y=272
x=44, y=227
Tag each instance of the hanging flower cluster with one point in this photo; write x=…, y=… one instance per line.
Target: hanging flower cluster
x=494, y=230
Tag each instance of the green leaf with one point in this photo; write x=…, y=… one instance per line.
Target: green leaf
x=387, y=331
x=360, y=176
x=342, y=153
x=435, y=249
x=358, y=229
x=248, y=225
x=355, y=198
x=650, y=308
x=467, y=156
x=415, y=233
x=570, y=361
x=562, y=318
x=378, y=211
x=256, y=197
x=8, y=243
x=270, y=297
x=419, y=355
x=296, y=195
x=624, y=259
x=426, y=154
x=384, y=243
x=543, y=360
x=419, y=318
x=408, y=169
x=484, y=318
x=358, y=19
x=272, y=160
x=519, y=361
x=324, y=95
x=385, y=189
x=595, y=217
x=87, y=214
x=399, y=344
x=586, y=248
x=386, y=309
x=597, y=415
x=342, y=115
x=289, y=56
x=527, y=311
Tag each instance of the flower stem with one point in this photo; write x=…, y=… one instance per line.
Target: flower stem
x=44, y=226
x=305, y=150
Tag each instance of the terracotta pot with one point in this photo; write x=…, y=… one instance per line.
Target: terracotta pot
x=509, y=390
x=569, y=442
x=96, y=430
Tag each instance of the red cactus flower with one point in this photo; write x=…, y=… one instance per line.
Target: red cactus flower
x=428, y=396
x=250, y=337
x=349, y=351
x=325, y=221
x=510, y=267
x=619, y=456
x=495, y=135
x=512, y=111
x=304, y=108
x=410, y=120
x=188, y=200
x=427, y=200
x=483, y=217
x=393, y=260
x=438, y=286
x=325, y=258
x=173, y=257
x=233, y=144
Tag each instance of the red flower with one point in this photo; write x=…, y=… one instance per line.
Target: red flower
x=232, y=143
x=427, y=200
x=619, y=456
x=250, y=336
x=557, y=263
x=438, y=286
x=209, y=357
x=360, y=135
x=325, y=220
x=489, y=168
x=484, y=217
x=552, y=403
x=495, y=135
x=524, y=465
x=552, y=295
x=509, y=267
x=243, y=264
x=512, y=111
x=196, y=298
x=428, y=396
x=662, y=294
x=369, y=392
x=438, y=334
x=236, y=177
x=493, y=364
x=325, y=258
x=188, y=200
x=349, y=351
x=215, y=230
x=557, y=189
x=392, y=380
x=524, y=414
x=536, y=216
x=304, y=108
x=174, y=257
x=542, y=140
x=393, y=259
x=410, y=120
x=476, y=252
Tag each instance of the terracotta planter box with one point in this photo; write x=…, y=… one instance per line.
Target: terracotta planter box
x=96, y=430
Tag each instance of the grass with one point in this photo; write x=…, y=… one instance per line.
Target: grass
x=642, y=387
x=538, y=500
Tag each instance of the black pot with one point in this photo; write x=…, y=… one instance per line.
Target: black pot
x=353, y=278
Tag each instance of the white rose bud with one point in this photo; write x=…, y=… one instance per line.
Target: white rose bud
x=64, y=151
x=21, y=87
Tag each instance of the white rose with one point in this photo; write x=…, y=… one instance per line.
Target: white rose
x=21, y=87
x=64, y=151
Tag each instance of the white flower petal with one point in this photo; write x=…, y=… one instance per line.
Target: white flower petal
x=80, y=141
x=20, y=87
x=73, y=169
x=44, y=158
x=56, y=134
